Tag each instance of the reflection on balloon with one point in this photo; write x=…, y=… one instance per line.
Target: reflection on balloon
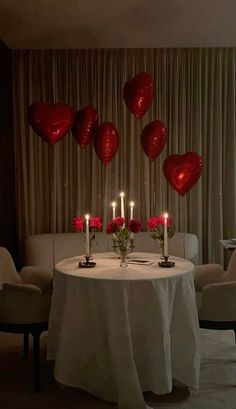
x=138, y=93
x=183, y=171
x=50, y=121
x=84, y=126
x=106, y=142
x=153, y=138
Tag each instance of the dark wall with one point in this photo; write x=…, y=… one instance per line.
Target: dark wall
x=8, y=235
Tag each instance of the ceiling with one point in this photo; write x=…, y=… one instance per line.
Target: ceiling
x=42, y=24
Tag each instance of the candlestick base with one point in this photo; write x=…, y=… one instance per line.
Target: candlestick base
x=166, y=263
x=87, y=263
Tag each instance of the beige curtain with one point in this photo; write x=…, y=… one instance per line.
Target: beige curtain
x=194, y=96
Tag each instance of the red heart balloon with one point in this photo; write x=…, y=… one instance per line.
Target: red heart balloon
x=183, y=171
x=50, y=121
x=106, y=142
x=138, y=93
x=153, y=139
x=85, y=123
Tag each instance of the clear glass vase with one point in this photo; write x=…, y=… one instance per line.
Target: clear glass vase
x=123, y=257
x=161, y=243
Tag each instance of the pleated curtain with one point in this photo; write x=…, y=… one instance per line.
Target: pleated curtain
x=194, y=96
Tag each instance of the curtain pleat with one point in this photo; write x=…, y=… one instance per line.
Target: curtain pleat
x=194, y=95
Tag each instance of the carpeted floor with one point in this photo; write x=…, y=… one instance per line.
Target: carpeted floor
x=217, y=383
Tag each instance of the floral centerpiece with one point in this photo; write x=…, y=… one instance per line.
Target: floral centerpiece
x=156, y=226
x=95, y=224
x=122, y=235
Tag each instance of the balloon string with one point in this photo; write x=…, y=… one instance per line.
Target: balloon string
x=52, y=199
x=141, y=192
x=152, y=164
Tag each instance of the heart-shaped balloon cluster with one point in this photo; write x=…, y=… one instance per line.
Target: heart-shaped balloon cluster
x=138, y=93
x=50, y=121
x=84, y=126
x=183, y=171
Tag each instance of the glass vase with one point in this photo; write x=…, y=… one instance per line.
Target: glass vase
x=123, y=257
x=161, y=243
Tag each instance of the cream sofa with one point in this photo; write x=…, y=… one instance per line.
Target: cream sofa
x=46, y=250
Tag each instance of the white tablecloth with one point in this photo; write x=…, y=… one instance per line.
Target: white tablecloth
x=116, y=332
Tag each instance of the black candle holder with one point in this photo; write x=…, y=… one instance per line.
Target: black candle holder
x=166, y=263
x=87, y=263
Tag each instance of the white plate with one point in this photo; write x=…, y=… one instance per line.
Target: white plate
x=233, y=240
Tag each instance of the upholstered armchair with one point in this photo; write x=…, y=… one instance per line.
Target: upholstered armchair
x=214, y=273
x=25, y=299
x=216, y=295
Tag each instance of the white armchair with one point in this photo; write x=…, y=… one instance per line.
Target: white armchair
x=25, y=299
x=214, y=273
x=216, y=295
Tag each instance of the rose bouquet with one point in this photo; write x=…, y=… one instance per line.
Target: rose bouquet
x=156, y=227
x=122, y=235
x=95, y=224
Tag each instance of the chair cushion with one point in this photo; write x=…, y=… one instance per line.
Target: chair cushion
x=23, y=304
x=217, y=302
x=38, y=276
x=207, y=274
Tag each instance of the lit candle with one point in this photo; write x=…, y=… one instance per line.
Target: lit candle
x=87, y=217
x=113, y=210
x=165, y=235
x=131, y=216
x=131, y=210
x=122, y=206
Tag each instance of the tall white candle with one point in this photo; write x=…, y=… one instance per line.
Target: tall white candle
x=131, y=210
x=87, y=217
x=165, y=235
x=122, y=205
x=131, y=216
x=113, y=210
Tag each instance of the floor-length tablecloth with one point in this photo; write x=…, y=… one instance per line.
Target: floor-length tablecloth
x=116, y=332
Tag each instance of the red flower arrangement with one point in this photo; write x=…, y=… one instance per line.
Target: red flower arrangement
x=121, y=233
x=77, y=223
x=156, y=226
x=95, y=224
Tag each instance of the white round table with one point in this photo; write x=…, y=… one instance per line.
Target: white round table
x=116, y=332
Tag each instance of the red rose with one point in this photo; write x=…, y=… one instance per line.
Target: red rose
x=161, y=220
x=95, y=223
x=112, y=227
x=152, y=223
x=134, y=225
x=77, y=223
x=120, y=221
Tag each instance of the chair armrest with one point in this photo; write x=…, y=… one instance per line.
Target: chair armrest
x=207, y=274
x=23, y=304
x=38, y=276
x=218, y=302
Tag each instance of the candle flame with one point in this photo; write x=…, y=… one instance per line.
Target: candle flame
x=122, y=194
x=131, y=204
x=87, y=217
x=113, y=204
